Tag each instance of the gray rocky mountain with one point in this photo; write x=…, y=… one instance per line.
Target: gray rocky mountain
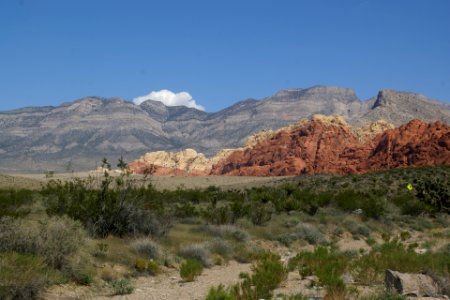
x=76, y=135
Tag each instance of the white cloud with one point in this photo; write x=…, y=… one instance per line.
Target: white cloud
x=170, y=99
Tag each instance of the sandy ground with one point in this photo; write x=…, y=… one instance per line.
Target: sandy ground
x=35, y=181
x=166, y=286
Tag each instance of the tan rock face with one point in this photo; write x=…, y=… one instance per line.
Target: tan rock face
x=370, y=130
x=184, y=163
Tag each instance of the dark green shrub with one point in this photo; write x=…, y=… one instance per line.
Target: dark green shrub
x=13, y=202
x=409, y=204
x=190, y=269
x=435, y=192
x=261, y=213
x=116, y=207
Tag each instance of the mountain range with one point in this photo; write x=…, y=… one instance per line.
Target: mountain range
x=76, y=135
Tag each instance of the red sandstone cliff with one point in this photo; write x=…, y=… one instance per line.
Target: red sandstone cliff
x=328, y=145
x=323, y=144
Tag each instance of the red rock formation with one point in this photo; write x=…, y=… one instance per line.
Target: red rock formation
x=328, y=145
x=413, y=144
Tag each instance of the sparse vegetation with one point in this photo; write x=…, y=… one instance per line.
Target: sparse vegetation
x=63, y=231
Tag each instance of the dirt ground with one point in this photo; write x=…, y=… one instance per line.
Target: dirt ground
x=35, y=181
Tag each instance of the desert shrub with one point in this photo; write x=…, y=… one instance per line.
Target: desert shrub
x=434, y=191
x=308, y=201
x=261, y=213
x=185, y=210
x=122, y=287
x=409, y=204
x=309, y=233
x=244, y=253
x=55, y=239
x=348, y=200
x=101, y=250
x=220, y=247
x=267, y=274
x=219, y=293
x=285, y=239
x=226, y=231
x=153, y=267
x=326, y=265
x=393, y=255
x=373, y=205
x=12, y=202
x=116, y=207
x=59, y=237
x=190, y=269
x=24, y=276
x=146, y=247
x=218, y=214
x=197, y=252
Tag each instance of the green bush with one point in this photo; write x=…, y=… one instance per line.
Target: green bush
x=24, y=276
x=219, y=293
x=327, y=266
x=393, y=255
x=122, y=286
x=268, y=273
x=435, y=192
x=13, y=202
x=190, y=269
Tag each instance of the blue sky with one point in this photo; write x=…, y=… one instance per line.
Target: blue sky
x=220, y=52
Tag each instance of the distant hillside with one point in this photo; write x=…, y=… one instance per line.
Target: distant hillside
x=76, y=135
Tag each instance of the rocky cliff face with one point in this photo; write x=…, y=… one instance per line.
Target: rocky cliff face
x=329, y=145
x=79, y=134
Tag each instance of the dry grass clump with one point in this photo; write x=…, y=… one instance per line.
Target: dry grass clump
x=198, y=252
x=310, y=233
x=146, y=247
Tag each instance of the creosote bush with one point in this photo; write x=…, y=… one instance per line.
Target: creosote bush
x=55, y=239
